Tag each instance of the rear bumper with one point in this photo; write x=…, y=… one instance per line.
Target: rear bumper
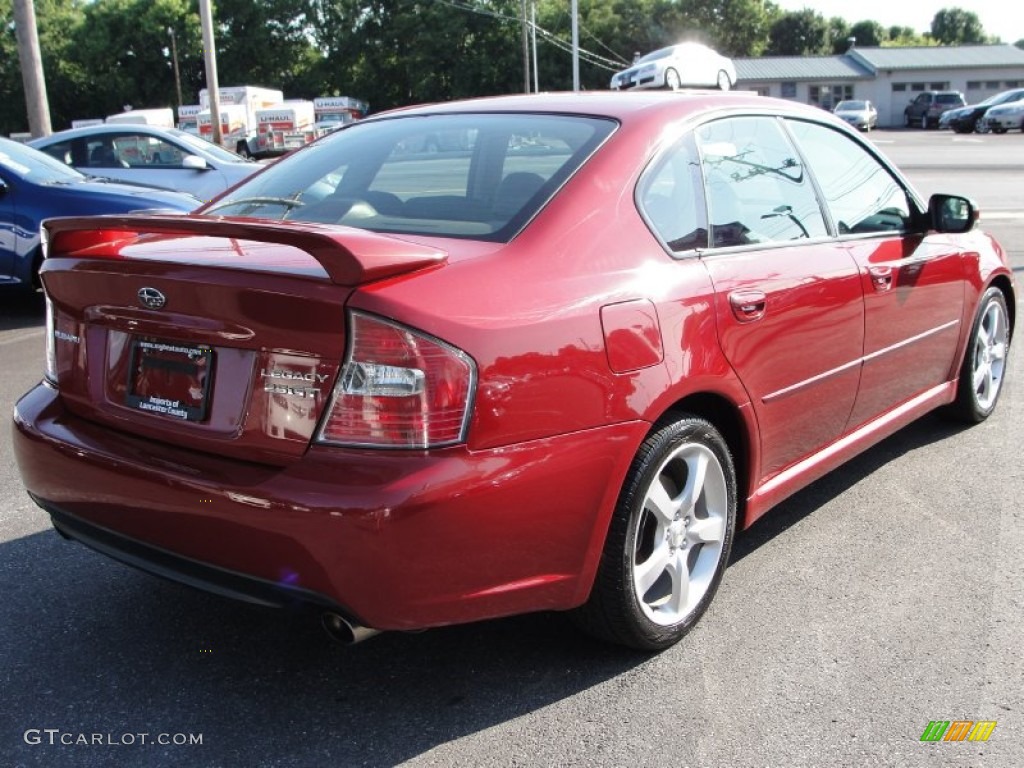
x=393, y=540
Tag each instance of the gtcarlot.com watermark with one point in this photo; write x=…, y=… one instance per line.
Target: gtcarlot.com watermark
x=55, y=736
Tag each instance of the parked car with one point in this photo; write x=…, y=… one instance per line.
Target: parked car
x=149, y=154
x=1006, y=117
x=972, y=117
x=547, y=375
x=926, y=109
x=860, y=114
x=685, y=64
x=34, y=187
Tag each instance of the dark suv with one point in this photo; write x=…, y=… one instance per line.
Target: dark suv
x=928, y=106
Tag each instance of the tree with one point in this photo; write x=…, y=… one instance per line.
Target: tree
x=955, y=26
x=838, y=35
x=869, y=33
x=799, y=33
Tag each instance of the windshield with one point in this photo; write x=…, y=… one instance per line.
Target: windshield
x=480, y=176
x=195, y=142
x=1002, y=98
x=851, y=106
x=35, y=166
x=664, y=53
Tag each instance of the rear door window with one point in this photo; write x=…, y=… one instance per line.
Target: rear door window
x=758, y=190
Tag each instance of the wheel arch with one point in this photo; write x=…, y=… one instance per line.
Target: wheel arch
x=734, y=425
x=1002, y=282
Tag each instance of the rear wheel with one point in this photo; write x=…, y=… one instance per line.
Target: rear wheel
x=981, y=375
x=672, y=79
x=669, y=539
x=724, y=83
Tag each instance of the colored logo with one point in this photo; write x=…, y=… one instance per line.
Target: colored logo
x=958, y=730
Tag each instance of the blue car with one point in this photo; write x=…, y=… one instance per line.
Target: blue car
x=34, y=186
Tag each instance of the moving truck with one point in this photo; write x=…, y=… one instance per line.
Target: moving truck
x=332, y=112
x=249, y=98
x=187, y=118
x=285, y=127
x=163, y=116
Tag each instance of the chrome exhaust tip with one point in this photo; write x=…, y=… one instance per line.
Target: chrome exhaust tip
x=344, y=631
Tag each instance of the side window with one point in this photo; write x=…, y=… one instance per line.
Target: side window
x=670, y=197
x=757, y=188
x=860, y=193
x=142, y=150
x=60, y=151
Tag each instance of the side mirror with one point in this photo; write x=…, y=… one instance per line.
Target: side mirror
x=951, y=213
x=194, y=163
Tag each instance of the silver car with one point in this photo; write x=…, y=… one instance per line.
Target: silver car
x=148, y=154
x=858, y=113
x=682, y=65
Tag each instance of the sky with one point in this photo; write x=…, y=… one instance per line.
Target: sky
x=1004, y=18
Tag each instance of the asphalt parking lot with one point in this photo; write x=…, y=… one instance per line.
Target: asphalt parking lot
x=887, y=595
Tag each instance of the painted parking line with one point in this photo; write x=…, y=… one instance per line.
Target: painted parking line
x=1010, y=215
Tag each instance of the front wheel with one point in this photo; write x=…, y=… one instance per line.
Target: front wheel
x=672, y=80
x=981, y=375
x=924, y=122
x=669, y=539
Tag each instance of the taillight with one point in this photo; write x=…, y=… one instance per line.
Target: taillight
x=399, y=389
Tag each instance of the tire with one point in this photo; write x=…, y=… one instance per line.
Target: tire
x=672, y=80
x=998, y=129
x=724, y=83
x=669, y=539
x=924, y=122
x=984, y=366
x=906, y=119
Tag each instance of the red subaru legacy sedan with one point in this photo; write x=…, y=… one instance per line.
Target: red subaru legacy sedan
x=551, y=363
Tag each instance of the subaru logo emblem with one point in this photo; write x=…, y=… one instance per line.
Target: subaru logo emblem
x=152, y=298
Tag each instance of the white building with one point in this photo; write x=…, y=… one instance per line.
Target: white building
x=888, y=77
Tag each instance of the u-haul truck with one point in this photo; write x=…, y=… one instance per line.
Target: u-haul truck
x=187, y=118
x=162, y=116
x=234, y=125
x=332, y=112
x=285, y=127
x=245, y=100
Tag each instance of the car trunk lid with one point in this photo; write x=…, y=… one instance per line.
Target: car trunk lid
x=221, y=335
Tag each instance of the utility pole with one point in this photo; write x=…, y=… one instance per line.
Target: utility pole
x=174, y=58
x=31, y=68
x=575, y=46
x=210, y=56
x=526, y=47
x=533, y=44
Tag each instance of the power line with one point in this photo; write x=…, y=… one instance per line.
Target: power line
x=590, y=57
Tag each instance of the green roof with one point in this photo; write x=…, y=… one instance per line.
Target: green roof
x=778, y=68
x=941, y=57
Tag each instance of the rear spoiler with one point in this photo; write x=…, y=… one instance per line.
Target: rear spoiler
x=349, y=256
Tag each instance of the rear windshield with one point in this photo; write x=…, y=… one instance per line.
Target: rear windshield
x=949, y=98
x=479, y=176
x=850, y=105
